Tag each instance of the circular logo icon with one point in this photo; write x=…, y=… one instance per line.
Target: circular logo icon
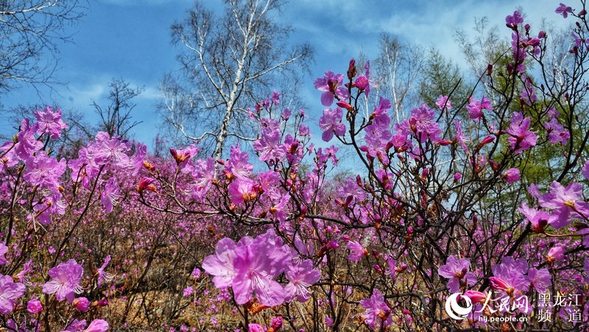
x=455, y=310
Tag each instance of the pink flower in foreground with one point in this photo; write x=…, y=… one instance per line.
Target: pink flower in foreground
x=10, y=292
x=377, y=313
x=65, y=281
x=81, y=304
x=357, y=251
x=476, y=296
x=511, y=175
x=220, y=265
x=555, y=254
x=565, y=202
x=456, y=270
x=34, y=306
x=331, y=86
x=537, y=218
x=475, y=107
x=301, y=276
x=50, y=122
x=255, y=273
x=97, y=325
x=563, y=10
x=540, y=279
x=183, y=156
x=521, y=138
x=331, y=123
x=510, y=276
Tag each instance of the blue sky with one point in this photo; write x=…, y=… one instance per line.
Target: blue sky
x=130, y=39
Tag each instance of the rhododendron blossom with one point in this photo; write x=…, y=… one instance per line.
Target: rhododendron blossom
x=331, y=123
x=456, y=270
x=65, y=281
x=331, y=86
x=10, y=292
x=377, y=313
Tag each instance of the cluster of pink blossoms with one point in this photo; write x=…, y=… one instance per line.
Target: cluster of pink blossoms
x=252, y=275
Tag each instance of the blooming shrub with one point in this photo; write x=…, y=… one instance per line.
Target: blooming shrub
x=439, y=206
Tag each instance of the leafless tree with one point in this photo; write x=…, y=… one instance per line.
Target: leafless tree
x=229, y=63
x=398, y=69
x=29, y=34
x=116, y=118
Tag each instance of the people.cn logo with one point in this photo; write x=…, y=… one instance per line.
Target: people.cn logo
x=455, y=310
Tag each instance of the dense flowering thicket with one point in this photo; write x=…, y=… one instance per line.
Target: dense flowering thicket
x=467, y=214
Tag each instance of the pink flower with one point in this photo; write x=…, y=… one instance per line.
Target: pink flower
x=521, y=138
x=377, y=313
x=511, y=175
x=424, y=125
x=255, y=273
x=565, y=202
x=443, y=102
x=10, y=292
x=238, y=164
x=81, y=304
x=555, y=254
x=513, y=20
x=476, y=296
x=183, y=156
x=249, y=274
x=50, y=122
x=537, y=218
x=65, y=281
x=269, y=145
x=97, y=325
x=34, y=306
x=195, y=273
x=27, y=143
x=188, y=291
x=3, y=251
x=357, y=251
x=331, y=123
x=456, y=269
x=220, y=265
x=556, y=132
x=252, y=327
x=475, y=107
x=203, y=175
x=301, y=276
x=102, y=275
x=242, y=190
x=276, y=323
x=564, y=10
x=330, y=85
x=510, y=276
x=362, y=83
x=109, y=195
x=457, y=176
x=540, y=279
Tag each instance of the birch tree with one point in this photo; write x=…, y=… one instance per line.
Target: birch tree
x=30, y=31
x=228, y=62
